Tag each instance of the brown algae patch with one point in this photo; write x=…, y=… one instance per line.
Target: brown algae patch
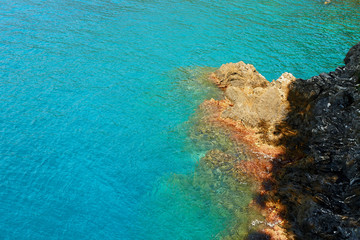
x=233, y=163
x=226, y=163
x=244, y=153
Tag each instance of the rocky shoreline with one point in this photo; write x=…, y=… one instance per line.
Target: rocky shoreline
x=304, y=140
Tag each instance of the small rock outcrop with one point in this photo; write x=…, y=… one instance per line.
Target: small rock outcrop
x=317, y=122
x=256, y=103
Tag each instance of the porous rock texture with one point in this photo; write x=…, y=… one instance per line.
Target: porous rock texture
x=317, y=121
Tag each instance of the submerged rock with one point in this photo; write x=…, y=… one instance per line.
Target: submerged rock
x=317, y=121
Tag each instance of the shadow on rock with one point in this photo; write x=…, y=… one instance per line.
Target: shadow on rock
x=317, y=179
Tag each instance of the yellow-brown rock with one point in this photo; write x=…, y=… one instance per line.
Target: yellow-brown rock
x=255, y=102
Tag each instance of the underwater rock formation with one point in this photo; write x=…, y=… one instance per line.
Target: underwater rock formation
x=312, y=128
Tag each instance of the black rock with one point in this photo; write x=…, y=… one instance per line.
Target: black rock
x=322, y=196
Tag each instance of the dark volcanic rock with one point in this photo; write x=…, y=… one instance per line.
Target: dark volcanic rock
x=323, y=194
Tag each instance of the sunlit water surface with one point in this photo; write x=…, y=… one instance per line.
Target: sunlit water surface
x=95, y=96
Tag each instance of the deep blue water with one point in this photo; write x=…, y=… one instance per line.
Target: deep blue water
x=94, y=96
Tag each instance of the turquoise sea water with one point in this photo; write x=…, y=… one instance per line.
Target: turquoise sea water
x=95, y=95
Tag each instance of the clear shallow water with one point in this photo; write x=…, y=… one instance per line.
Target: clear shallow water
x=94, y=96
